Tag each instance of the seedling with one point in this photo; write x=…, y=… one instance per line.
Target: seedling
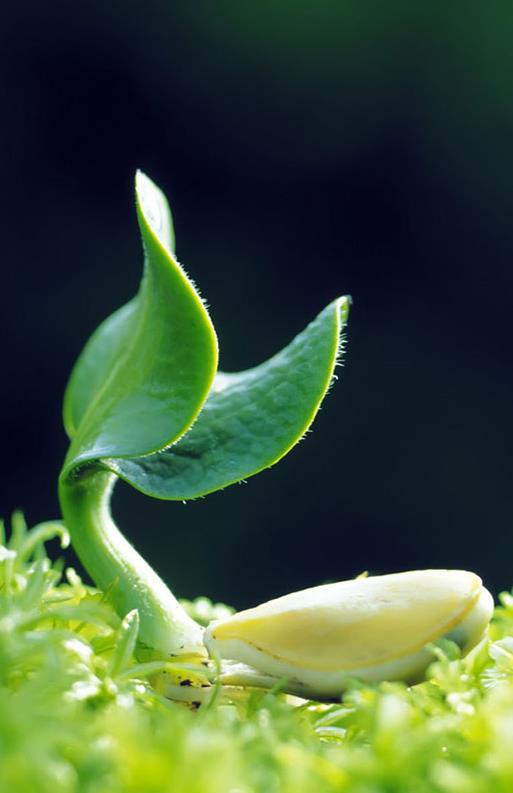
x=146, y=404
x=86, y=692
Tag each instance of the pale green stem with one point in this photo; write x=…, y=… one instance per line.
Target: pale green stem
x=117, y=568
x=234, y=673
x=234, y=679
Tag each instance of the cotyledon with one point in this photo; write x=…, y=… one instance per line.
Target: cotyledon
x=374, y=628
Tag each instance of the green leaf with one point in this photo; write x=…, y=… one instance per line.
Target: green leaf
x=105, y=346
x=96, y=361
x=250, y=420
x=146, y=372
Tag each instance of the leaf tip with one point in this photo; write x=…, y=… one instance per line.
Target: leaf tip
x=153, y=209
x=344, y=304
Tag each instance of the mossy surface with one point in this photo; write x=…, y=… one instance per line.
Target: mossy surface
x=78, y=714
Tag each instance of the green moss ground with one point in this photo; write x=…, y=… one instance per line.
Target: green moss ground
x=78, y=715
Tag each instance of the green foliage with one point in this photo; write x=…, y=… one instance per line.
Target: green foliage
x=250, y=420
x=142, y=404
x=79, y=715
x=146, y=372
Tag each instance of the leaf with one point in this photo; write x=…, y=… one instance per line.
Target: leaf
x=146, y=372
x=97, y=360
x=250, y=420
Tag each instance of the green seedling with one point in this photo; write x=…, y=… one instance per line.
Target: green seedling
x=87, y=674
x=146, y=404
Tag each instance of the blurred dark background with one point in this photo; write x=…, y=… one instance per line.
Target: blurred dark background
x=308, y=150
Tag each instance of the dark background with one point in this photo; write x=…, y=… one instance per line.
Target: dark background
x=308, y=150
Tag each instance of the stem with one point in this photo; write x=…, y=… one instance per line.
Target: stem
x=234, y=673
x=117, y=568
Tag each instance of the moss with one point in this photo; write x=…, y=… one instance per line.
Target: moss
x=78, y=714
